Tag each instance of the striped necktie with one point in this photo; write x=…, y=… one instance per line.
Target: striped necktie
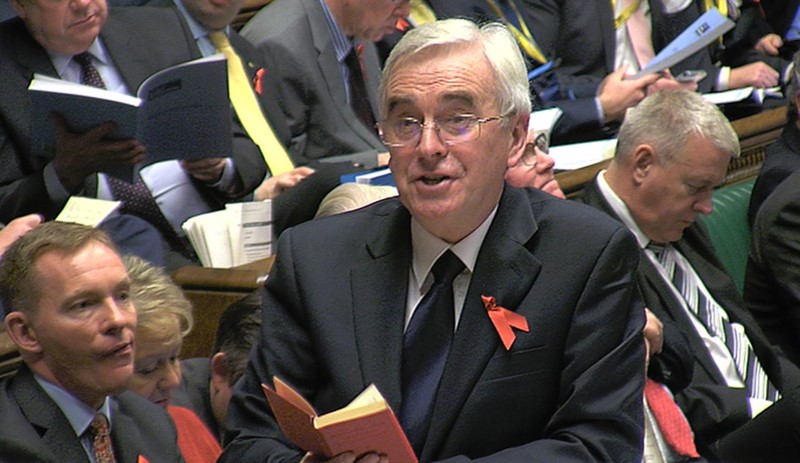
x=718, y=324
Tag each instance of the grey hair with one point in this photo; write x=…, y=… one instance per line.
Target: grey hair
x=499, y=47
x=667, y=119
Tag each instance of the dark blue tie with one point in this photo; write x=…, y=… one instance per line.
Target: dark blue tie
x=425, y=347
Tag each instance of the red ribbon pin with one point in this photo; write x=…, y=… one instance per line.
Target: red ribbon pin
x=257, y=81
x=503, y=320
x=143, y=459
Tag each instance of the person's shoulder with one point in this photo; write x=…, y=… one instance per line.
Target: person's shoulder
x=785, y=194
x=568, y=213
x=140, y=410
x=277, y=21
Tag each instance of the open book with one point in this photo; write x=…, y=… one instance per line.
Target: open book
x=239, y=234
x=367, y=424
x=181, y=112
x=704, y=30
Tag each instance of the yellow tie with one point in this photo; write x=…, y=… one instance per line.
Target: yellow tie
x=421, y=13
x=249, y=112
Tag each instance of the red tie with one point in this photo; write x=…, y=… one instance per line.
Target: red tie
x=670, y=420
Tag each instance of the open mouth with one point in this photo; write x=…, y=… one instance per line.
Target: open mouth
x=121, y=350
x=434, y=180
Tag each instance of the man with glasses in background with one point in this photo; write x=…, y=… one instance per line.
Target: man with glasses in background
x=415, y=294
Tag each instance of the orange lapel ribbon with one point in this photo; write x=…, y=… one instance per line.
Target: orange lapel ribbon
x=257, y=81
x=503, y=320
x=143, y=459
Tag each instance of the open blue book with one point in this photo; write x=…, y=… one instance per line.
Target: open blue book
x=707, y=28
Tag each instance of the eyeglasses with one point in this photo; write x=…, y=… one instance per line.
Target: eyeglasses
x=451, y=130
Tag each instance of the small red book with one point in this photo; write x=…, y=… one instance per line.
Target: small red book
x=367, y=424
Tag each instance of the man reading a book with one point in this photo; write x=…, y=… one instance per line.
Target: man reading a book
x=499, y=324
x=87, y=43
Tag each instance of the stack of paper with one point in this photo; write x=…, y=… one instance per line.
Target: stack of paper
x=239, y=234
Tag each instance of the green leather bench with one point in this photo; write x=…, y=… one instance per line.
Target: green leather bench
x=729, y=229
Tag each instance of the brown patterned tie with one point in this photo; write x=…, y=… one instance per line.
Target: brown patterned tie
x=101, y=440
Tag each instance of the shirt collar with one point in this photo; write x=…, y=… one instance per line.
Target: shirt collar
x=426, y=247
x=621, y=209
x=78, y=414
x=96, y=49
x=341, y=43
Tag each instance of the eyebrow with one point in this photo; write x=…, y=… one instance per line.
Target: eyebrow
x=448, y=98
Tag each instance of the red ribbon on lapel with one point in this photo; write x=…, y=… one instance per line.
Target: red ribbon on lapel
x=503, y=320
x=142, y=459
x=402, y=25
x=257, y=81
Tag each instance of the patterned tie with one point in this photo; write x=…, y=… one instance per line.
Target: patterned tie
x=359, y=100
x=248, y=110
x=716, y=321
x=136, y=197
x=101, y=440
x=425, y=347
x=671, y=421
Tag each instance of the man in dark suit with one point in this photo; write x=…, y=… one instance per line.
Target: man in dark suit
x=581, y=34
x=126, y=46
x=772, y=282
x=67, y=309
x=782, y=158
x=455, y=107
x=673, y=149
x=306, y=44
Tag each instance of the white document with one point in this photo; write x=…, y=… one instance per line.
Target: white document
x=577, y=155
x=728, y=96
x=707, y=28
x=86, y=211
x=239, y=234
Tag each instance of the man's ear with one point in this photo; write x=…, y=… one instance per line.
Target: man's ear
x=22, y=332
x=220, y=376
x=643, y=160
x=519, y=137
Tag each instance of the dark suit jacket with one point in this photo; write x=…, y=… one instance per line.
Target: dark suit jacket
x=296, y=45
x=141, y=41
x=781, y=160
x=550, y=398
x=33, y=428
x=779, y=14
x=715, y=410
x=581, y=34
x=772, y=279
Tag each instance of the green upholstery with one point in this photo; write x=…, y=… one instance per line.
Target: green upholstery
x=729, y=229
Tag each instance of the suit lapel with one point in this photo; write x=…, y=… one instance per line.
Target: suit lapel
x=330, y=70
x=379, y=299
x=29, y=54
x=505, y=269
x=124, y=435
x=52, y=425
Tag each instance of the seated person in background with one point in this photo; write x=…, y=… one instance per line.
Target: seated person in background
x=455, y=108
x=207, y=383
x=673, y=149
x=534, y=169
x=772, y=278
x=116, y=48
x=164, y=317
x=783, y=16
x=750, y=41
x=68, y=310
x=782, y=157
x=594, y=58
x=328, y=72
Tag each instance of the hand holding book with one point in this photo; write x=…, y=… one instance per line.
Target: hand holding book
x=366, y=426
